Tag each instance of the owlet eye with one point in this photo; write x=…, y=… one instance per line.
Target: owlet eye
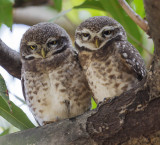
x=52, y=43
x=85, y=35
x=107, y=32
x=33, y=47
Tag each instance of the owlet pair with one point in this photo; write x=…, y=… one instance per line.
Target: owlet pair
x=58, y=82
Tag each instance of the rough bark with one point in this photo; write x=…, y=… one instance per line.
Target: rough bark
x=66, y=132
x=152, y=8
x=130, y=119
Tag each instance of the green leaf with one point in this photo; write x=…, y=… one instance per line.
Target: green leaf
x=138, y=7
x=113, y=7
x=11, y=112
x=5, y=132
x=3, y=89
x=58, y=4
x=94, y=105
x=94, y=4
x=4, y=92
x=17, y=117
x=6, y=12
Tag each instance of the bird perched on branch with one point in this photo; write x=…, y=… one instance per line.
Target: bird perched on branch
x=111, y=64
x=53, y=84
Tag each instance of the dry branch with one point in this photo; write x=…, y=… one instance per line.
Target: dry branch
x=134, y=16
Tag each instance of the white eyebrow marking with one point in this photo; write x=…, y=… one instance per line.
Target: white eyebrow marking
x=51, y=39
x=109, y=28
x=84, y=31
x=93, y=34
x=31, y=43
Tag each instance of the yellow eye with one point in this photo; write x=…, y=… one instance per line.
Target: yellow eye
x=85, y=34
x=54, y=42
x=107, y=32
x=33, y=47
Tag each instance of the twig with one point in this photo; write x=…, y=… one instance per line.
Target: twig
x=134, y=16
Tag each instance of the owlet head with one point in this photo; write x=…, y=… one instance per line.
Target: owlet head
x=43, y=40
x=96, y=32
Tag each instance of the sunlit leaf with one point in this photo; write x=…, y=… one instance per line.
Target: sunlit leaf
x=138, y=7
x=94, y=4
x=5, y=132
x=58, y=5
x=6, y=12
x=4, y=92
x=94, y=105
x=17, y=117
x=129, y=1
x=114, y=8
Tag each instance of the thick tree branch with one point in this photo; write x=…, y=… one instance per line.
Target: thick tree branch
x=152, y=8
x=134, y=16
x=66, y=132
x=10, y=60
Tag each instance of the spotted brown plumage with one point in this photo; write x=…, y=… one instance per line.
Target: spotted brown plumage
x=111, y=64
x=53, y=84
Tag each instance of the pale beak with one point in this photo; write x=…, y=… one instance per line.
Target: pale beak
x=43, y=53
x=97, y=42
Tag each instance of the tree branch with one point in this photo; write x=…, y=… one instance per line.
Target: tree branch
x=134, y=16
x=153, y=17
x=10, y=60
x=66, y=132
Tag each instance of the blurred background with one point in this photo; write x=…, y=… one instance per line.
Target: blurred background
x=17, y=16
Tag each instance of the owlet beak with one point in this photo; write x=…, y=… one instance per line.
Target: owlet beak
x=97, y=42
x=43, y=53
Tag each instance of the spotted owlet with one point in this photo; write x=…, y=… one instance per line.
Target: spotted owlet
x=111, y=64
x=53, y=84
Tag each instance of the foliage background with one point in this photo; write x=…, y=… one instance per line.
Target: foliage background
x=12, y=117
